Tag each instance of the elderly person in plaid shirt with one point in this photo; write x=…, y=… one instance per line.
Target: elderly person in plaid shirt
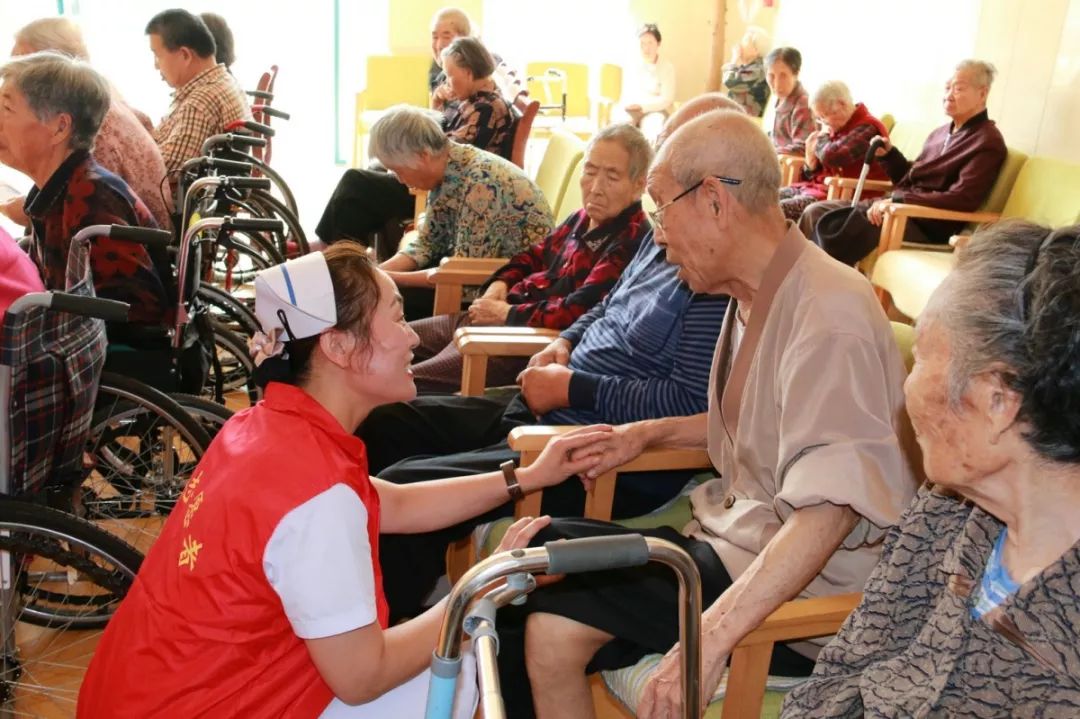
x=837, y=148
x=51, y=108
x=553, y=282
x=207, y=97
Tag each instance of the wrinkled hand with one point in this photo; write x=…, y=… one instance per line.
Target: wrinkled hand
x=497, y=290
x=564, y=456
x=430, y=275
x=623, y=444
x=545, y=388
x=662, y=696
x=484, y=311
x=884, y=148
x=876, y=213
x=521, y=532
x=558, y=352
x=441, y=95
x=811, y=146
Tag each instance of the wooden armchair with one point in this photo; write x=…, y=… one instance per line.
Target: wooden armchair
x=749, y=668
x=790, y=167
x=456, y=273
x=478, y=344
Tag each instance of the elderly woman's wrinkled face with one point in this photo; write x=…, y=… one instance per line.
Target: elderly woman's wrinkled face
x=606, y=186
x=833, y=115
x=426, y=172
x=963, y=96
x=24, y=139
x=458, y=78
x=955, y=440
x=781, y=78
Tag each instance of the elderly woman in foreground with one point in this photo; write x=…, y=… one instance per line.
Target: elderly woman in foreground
x=973, y=610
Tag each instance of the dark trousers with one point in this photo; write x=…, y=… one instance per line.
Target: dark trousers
x=637, y=606
x=861, y=236
x=365, y=201
x=436, y=437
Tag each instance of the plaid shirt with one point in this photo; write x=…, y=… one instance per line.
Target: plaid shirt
x=56, y=362
x=793, y=122
x=483, y=120
x=201, y=108
x=558, y=280
x=82, y=193
x=843, y=153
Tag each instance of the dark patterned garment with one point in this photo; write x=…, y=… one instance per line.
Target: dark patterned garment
x=483, y=121
x=746, y=85
x=558, y=280
x=82, y=193
x=793, y=122
x=913, y=649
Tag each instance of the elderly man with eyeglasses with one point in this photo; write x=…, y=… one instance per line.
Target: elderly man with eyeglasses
x=804, y=427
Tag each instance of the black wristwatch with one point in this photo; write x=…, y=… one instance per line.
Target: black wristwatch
x=512, y=486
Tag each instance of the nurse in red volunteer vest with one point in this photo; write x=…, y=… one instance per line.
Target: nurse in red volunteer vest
x=262, y=595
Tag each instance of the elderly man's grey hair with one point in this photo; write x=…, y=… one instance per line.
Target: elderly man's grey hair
x=831, y=93
x=55, y=84
x=695, y=107
x=53, y=33
x=457, y=19
x=1012, y=306
x=630, y=139
x=982, y=73
x=404, y=132
x=470, y=54
x=727, y=143
x=759, y=38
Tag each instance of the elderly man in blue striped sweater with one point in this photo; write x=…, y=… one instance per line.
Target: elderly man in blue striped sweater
x=642, y=353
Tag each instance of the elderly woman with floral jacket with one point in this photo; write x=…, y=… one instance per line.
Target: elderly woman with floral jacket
x=973, y=609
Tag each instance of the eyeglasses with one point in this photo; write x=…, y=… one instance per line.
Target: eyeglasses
x=657, y=215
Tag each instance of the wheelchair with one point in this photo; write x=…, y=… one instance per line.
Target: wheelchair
x=513, y=570
x=61, y=576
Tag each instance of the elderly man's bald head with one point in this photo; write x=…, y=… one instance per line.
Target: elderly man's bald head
x=695, y=108
x=726, y=143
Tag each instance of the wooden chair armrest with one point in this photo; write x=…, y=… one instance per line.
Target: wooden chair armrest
x=495, y=345
x=804, y=619
x=521, y=331
x=845, y=182
x=472, y=263
x=454, y=273
x=462, y=275
x=934, y=213
x=534, y=438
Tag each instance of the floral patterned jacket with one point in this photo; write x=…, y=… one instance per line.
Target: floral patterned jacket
x=484, y=207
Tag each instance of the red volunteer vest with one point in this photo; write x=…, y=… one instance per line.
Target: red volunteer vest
x=202, y=632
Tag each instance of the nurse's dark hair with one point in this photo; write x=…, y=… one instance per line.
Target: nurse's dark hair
x=1012, y=306
x=356, y=295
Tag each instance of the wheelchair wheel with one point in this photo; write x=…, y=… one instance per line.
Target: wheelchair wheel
x=294, y=243
x=211, y=415
x=228, y=310
x=142, y=449
x=67, y=577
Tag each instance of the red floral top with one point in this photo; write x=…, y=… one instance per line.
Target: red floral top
x=126, y=148
x=82, y=193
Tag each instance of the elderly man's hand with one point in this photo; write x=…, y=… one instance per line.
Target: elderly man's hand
x=13, y=210
x=662, y=696
x=558, y=352
x=497, y=290
x=546, y=388
x=876, y=213
x=622, y=445
x=484, y=311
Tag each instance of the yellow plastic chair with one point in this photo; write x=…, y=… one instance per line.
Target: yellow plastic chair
x=391, y=80
x=571, y=199
x=888, y=121
x=564, y=150
x=611, y=78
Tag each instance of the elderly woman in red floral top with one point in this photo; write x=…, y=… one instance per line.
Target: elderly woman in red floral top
x=838, y=148
x=793, y=121
x=51, y=108
x=556, y=281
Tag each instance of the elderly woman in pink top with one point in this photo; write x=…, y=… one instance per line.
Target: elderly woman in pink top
x=124, y=145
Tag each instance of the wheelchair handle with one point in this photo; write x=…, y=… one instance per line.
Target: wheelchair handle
x=592, y=554
x=261, y=94
x=95, y=307
x=217, y=163
x=255, y=224
x=233, y=140
x=257, y=127
x=142, y=235
x=271, y=111
x=247, y=183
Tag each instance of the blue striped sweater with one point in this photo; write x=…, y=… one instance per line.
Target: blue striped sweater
x=645, y=351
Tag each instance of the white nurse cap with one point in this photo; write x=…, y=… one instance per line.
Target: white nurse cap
x=299, y=290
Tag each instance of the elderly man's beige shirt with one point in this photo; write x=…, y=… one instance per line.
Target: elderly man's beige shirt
x=808, y=409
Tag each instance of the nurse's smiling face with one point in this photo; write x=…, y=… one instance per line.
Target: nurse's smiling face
x=385, y=371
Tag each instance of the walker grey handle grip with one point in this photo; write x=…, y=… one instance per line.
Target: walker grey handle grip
x=141, y=235
x=108, y=310
x=592, y=554
x=249, y=183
